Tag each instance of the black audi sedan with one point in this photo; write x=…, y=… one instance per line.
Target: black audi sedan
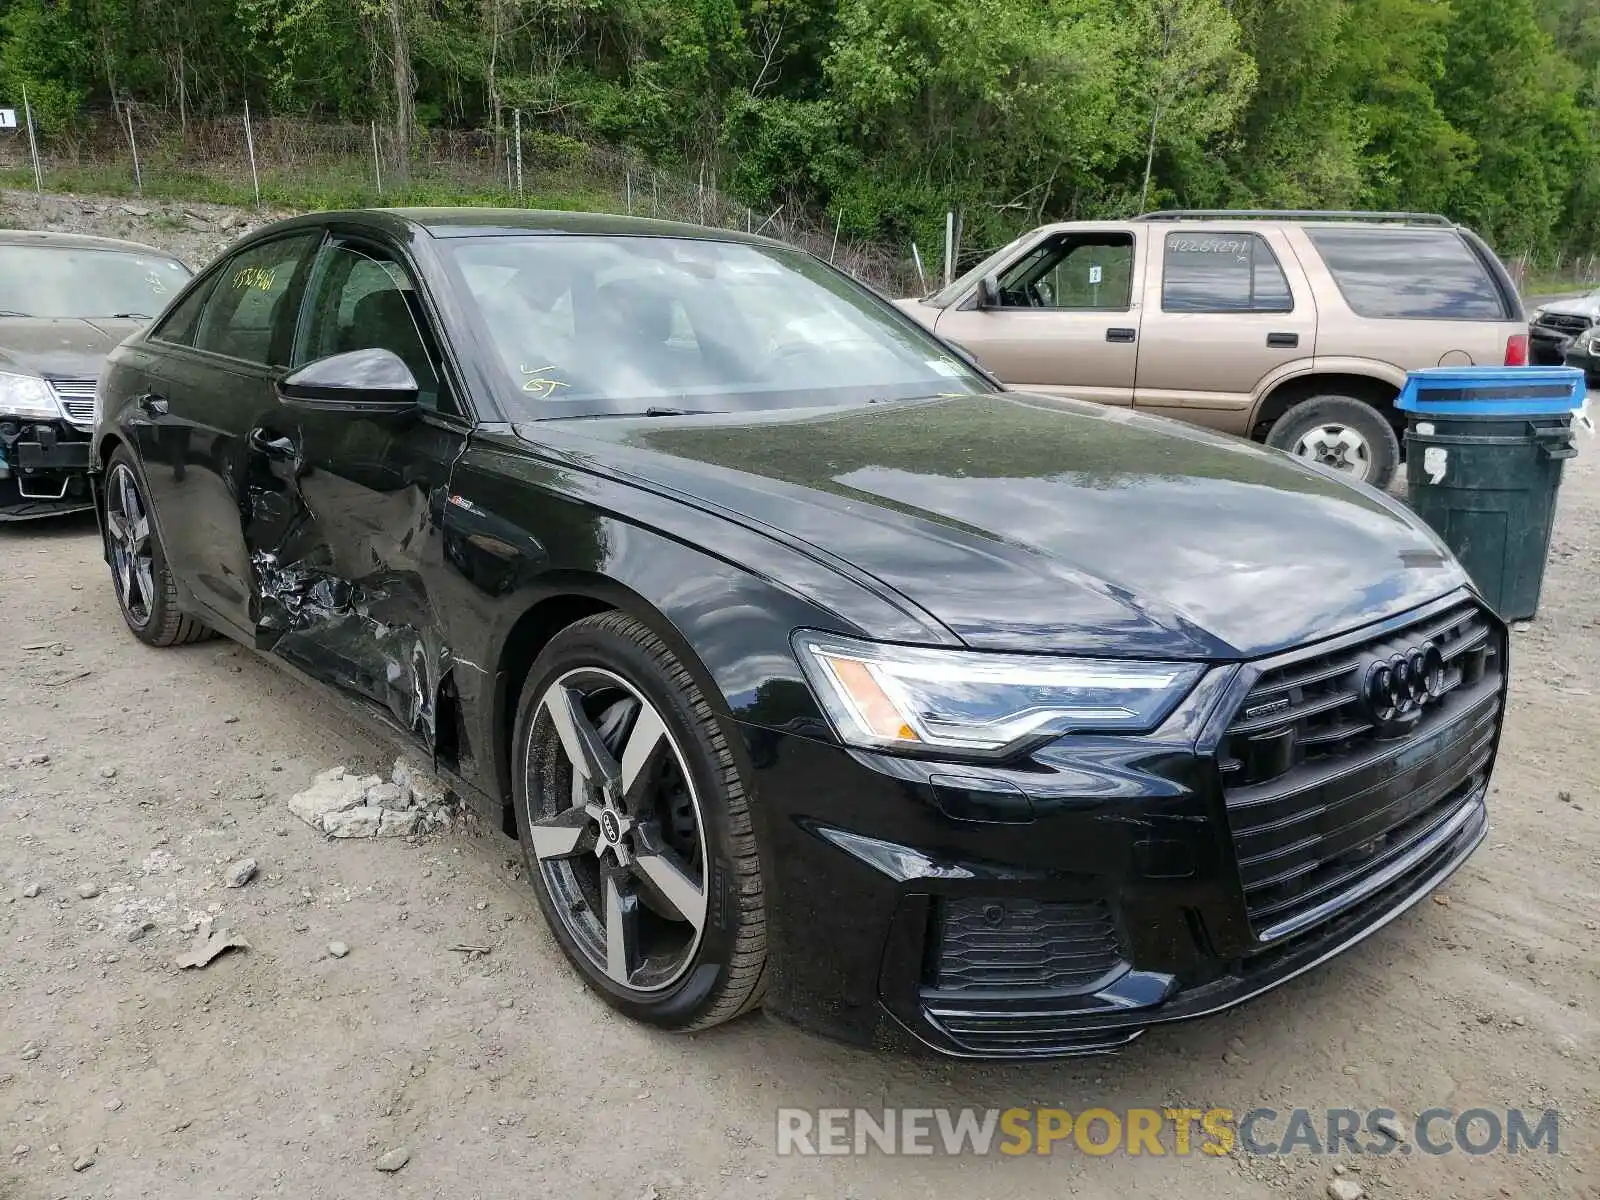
x=811, y=669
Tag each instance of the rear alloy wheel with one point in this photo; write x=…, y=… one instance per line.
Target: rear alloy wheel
x=1340, y=432
x=145, y=590
x=636, y=829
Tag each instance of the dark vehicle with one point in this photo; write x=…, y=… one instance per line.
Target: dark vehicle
x=65, y=301
x=810, y=669
x=1583, y=352
x=1556, y=324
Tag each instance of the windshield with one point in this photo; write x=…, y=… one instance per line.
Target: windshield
x=71, y=281
x=591, y=326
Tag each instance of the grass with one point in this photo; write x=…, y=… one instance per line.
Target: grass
x=1556, y=285
x=311, y=190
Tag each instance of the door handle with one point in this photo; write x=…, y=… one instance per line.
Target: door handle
x=274, y=446
x=1121, y=335
x=152, y=405
x=1283, y=341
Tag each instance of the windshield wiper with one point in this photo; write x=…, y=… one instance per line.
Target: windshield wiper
x=131, y=316
x=11, y=312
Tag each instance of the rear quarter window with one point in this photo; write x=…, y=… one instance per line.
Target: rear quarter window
x=1409, y=274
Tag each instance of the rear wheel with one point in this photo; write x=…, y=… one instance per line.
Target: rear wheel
x=145, y=589
x=636, y=828
x=1341, y=432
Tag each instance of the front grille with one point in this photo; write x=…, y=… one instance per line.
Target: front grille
x=1012, y=944
x=1324, y=795
x=77, y=400
x=1564, y=322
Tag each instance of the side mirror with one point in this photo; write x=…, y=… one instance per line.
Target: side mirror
x=360, y=383
x=988, y=295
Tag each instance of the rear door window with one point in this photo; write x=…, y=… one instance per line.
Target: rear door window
x=1222, y=273
x=244, y=315
x=1414, y=274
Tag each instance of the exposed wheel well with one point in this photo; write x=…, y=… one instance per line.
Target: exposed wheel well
x=528, y=637
x=109, y=447
x=1287, y=394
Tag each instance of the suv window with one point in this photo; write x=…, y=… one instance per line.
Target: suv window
x=1222, y=273
x=1089, y=272
x=243, y=316
x=1420, y=274
x=362, y=299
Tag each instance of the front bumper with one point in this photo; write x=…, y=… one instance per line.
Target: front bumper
x=44, y=469
x=1589, y=364
x=1548, y=347
x=1065, y=904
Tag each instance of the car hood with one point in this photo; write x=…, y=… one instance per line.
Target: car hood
x=64, y=347
x=1036, y=524
x=1583, y=306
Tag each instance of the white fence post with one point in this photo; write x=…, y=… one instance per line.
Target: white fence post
x=377, y=163
x=138, y=175
x=250, y=146
x=517, y=121
x=33, y=145
x=949, y=246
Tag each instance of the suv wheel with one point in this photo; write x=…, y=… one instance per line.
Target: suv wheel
x=1341, y=432
x=636, y=828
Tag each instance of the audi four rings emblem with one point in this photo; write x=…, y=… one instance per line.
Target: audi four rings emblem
x=1395, y=689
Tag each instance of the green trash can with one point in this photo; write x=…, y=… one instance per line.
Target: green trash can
x=1484, y=452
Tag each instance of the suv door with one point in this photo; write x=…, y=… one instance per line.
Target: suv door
x=212, y=368
x=344, y=510
x=1227, y=308
x=1066, y=320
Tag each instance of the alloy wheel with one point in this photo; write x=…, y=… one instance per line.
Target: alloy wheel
x=1337, y=446
x=132, y=553
x=616, y=829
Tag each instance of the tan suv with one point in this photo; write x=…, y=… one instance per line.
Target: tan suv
x=1292, y=328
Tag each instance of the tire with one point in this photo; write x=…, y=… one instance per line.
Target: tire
x=620, y=683
x=145, y=590
x=1351, y=435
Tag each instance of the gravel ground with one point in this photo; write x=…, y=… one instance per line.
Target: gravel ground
x=285, y=1070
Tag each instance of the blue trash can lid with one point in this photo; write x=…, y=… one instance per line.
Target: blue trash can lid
x=1493, y=391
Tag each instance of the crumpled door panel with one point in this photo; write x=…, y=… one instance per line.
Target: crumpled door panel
x=337, y=514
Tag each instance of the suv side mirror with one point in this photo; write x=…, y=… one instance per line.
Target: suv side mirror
x=362, y=383
x=988, y=294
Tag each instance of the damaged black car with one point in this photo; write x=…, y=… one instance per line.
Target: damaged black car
x=811, y=669
x=65, y=301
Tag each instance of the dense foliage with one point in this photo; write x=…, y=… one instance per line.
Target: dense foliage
x=887, y=112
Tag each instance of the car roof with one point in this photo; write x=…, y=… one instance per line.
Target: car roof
x=489, y=222
x=74, y=241
x=1245, y=221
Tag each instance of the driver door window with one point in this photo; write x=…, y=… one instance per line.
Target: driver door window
x=361, y=299
x=1082, y=273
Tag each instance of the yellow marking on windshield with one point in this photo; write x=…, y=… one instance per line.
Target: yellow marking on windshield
x=540, y=384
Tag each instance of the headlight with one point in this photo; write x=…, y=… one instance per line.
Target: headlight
x=908, y=698
x=1588, y=340
x=1534, y=316
x=27, y=396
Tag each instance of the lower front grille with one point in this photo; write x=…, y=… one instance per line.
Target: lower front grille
x=77, y=400
x=1334, y=780
x=1012, y=945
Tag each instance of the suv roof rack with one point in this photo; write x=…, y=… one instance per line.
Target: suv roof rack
x=1290, y=214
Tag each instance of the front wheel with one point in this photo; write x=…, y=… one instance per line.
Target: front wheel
x=1341, y=432
x=636, y=827
x=145, y=589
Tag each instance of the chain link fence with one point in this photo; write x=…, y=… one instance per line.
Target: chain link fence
x=301, y=164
